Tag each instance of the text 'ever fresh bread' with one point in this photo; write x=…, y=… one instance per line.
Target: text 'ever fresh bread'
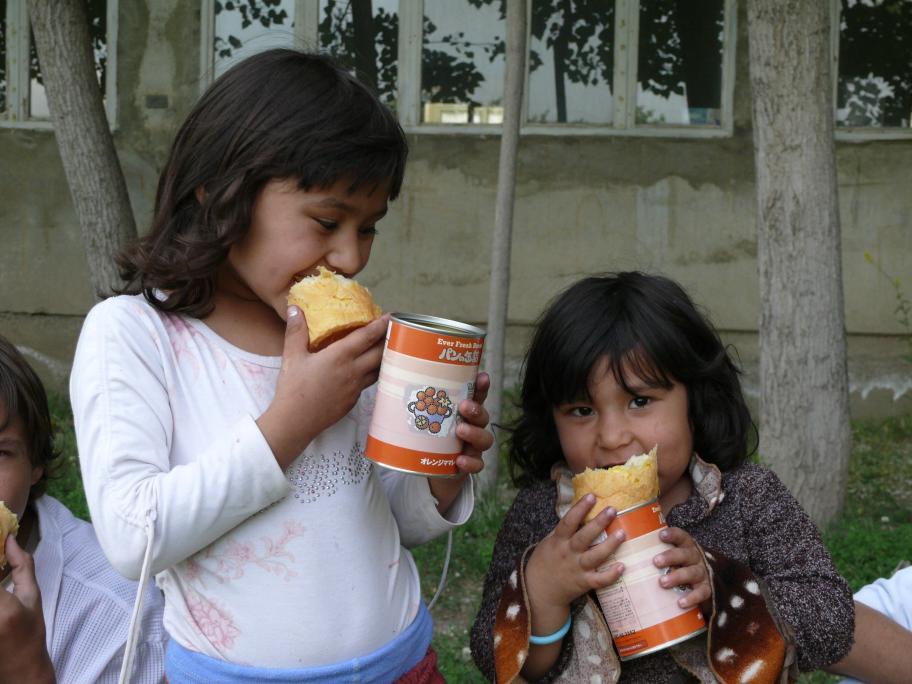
x=622, y=486
x=9, y=524
x=333, y=306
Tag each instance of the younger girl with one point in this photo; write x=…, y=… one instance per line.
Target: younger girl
x=619, y=364
x=213, y=444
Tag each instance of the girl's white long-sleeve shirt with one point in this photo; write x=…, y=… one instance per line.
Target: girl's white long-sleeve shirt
x=258, y=566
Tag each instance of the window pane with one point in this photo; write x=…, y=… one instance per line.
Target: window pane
x=245, y=27
x=98, y=30
x=462, y=62
x=365, y=42
x=679, y=64
x=571, y=62
x=875, y=69
x=2, y=55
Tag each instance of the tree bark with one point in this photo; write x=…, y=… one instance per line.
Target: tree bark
x=514, y=78
x=804, y=405
x=93, y=172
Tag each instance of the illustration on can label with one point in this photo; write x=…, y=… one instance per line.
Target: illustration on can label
x=430, y=409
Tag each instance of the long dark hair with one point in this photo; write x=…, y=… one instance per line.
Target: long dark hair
x=280, y=114
x=650, y=323
x=22, y=394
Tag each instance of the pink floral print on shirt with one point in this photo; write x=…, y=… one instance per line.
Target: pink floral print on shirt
x=213, y=621
x=260, y=380
x=232, y=556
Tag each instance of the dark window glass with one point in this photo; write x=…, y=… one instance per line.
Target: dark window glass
x=462, y=61
x=875, y=64
x=679, y=65
x=571, y=62
x=364, y=37
x=2, y=55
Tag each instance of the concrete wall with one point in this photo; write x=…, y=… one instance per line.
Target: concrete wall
x=684, y=207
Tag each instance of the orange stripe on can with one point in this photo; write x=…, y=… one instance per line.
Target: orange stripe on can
x=638, y=521
x=409, y=460
x=435, y=346
x=660, y=636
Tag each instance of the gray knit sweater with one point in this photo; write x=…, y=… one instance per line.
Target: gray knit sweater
x=758, y=523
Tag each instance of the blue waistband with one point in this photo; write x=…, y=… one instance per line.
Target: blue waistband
x=387, y=664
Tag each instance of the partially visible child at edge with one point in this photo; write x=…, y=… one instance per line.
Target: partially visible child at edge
x=617, y=365
x=64, y=611
x=200, y=412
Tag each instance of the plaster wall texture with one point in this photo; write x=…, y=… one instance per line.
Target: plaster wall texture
x=584, y=204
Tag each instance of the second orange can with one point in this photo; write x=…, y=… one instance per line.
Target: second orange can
x=644, y=617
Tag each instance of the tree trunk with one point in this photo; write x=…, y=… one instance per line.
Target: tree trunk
x=804, y=405
x=93, y=172
x=514, y=77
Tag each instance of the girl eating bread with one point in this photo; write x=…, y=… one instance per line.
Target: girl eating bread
x=219, y=452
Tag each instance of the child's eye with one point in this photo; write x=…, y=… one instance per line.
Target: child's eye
x=369, y=231
x=326, y=223
x=581, y=411
x=639, y=402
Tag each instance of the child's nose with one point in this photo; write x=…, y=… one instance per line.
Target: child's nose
x=614, y=432
x=345, y=255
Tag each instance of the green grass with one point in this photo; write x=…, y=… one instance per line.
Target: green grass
x=867, y=541
x=65, y=481
x=473, y=544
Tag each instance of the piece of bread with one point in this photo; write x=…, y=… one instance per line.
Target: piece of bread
x=623, y=486
x=9, y=524
x=333, y=306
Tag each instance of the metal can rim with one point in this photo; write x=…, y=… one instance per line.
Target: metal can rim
x=436, y=324
x=639, y=505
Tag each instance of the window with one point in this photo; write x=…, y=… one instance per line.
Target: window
x=874, y=82
x=652, y=67
x=23, y=101
x=243, y=28
x=363, y=36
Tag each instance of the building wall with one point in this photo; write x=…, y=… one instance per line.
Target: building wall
x=584, y=204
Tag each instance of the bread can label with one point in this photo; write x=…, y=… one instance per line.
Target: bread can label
x=429, y=366
x=643, y=616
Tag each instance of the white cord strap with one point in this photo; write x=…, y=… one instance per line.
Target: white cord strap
x=126, y=667
x=446, y=564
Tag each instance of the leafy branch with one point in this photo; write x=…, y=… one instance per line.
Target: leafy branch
x=903, y=305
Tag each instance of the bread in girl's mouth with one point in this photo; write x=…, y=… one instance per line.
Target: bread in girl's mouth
x=9, y=524
x=333, y=306
x=622, y=486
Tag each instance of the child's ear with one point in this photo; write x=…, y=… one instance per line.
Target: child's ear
x=200, y=194
x=37, y=472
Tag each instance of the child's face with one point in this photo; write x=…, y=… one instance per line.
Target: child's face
x=614, y=425
x=292, y=231
x=17, y=475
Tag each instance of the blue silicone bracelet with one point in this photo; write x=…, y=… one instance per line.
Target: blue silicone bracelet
x=551, y=638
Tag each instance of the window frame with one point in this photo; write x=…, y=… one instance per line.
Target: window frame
x=18, y=82
x=408, y=102
x=854, y=133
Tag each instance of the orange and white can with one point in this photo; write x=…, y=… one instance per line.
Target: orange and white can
x=643, y=616
x=429, y=365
